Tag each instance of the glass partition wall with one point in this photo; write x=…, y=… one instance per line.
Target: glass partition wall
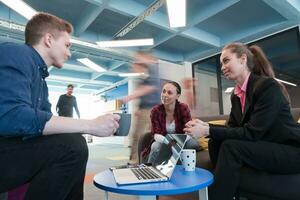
x=213, y=90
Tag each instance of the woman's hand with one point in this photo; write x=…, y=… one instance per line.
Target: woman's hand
x=160, y=138
x=196, y=128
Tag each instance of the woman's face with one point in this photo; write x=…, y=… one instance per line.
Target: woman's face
x=169, y=94
x=232, y=66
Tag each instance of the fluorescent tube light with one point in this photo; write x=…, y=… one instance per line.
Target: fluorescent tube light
x=130, y=74
x=83, y=43
x=286, y=82
x=229, y=89
x=176, y=12
x=20, y=7
x=91, y=64
x=126, y=43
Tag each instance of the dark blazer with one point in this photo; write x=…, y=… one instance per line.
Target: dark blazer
x=266, y=115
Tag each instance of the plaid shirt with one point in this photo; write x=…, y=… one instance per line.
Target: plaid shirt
x=181, y=116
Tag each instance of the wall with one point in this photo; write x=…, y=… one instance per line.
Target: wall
x=206, y=104
x=175, y=72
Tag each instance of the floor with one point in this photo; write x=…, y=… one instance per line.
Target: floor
x=103, y=156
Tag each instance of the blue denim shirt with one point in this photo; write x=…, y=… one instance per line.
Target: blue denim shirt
x=24, y=104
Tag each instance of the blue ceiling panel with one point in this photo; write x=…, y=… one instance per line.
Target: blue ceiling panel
x=70, y=73
x=109, y=23
x=64, y=9
x=242, y=16
x=124, y=68
x=144, y=30
x=56, y=83
x=210, y=25
x=110, y=78
x=7, y=13
x=91, y=87
x=117, y=92
x=182, y=45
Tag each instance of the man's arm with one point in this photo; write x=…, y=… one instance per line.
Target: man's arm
x=18, y=117
x=76, y=108
x=140, y=91
x=101, y=126
x=58, y=104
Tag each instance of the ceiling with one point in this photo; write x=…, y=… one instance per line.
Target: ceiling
x=210, y=25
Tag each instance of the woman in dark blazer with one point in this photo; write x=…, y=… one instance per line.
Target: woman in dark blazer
x=261, y=132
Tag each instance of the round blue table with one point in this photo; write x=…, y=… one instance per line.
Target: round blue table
x=180, y=182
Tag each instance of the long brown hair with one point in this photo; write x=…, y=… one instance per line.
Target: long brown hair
x=257, y=62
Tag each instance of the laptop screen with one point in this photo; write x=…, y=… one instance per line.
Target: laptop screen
x=170, y=153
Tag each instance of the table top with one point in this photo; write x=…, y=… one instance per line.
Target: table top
x=180, y=182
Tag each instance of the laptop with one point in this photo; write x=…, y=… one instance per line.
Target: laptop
x=161, y=170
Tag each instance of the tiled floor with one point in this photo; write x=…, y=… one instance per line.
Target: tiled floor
x=101, y=157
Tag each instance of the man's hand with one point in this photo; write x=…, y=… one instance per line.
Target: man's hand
x=197, y=128
x=104, y=125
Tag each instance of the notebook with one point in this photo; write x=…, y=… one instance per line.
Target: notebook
x=161, y=170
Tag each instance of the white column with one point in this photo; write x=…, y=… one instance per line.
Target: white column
x=132, y=107
x=188, y=69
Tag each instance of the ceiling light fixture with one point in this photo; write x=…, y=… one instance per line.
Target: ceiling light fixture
x=177, y=13
x=286, y=82
x=130, y=74
x=20, y=7
x=126, y=43
x=87, y=62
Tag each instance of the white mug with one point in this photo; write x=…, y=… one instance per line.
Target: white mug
x=188, y=159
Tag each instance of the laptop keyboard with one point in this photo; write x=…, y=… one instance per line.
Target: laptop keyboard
x=144, y=173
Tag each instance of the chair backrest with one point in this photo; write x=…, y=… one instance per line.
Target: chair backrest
x=296, y=113
x=3, y=196
x=214, y=118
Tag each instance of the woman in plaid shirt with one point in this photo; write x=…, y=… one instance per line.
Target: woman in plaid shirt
x=169, y=117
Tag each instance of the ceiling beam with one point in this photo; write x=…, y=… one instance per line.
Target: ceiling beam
x=260, y=32
x=161, y=20
x=62, y=89
x=157, y=19
x=290, y=9
x=95, y=2
x=138, y=19
x=209, y=11
x=161, y=38
x=246, y=37
x=112, y=86
x=202, y=36
x=88, y=15
x=79, y=80
x=109, y=72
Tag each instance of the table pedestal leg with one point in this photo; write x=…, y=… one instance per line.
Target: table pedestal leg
x=105, y=195
x=203, y=195
x=147, y=197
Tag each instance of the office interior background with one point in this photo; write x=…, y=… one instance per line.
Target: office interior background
x=190, y=51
